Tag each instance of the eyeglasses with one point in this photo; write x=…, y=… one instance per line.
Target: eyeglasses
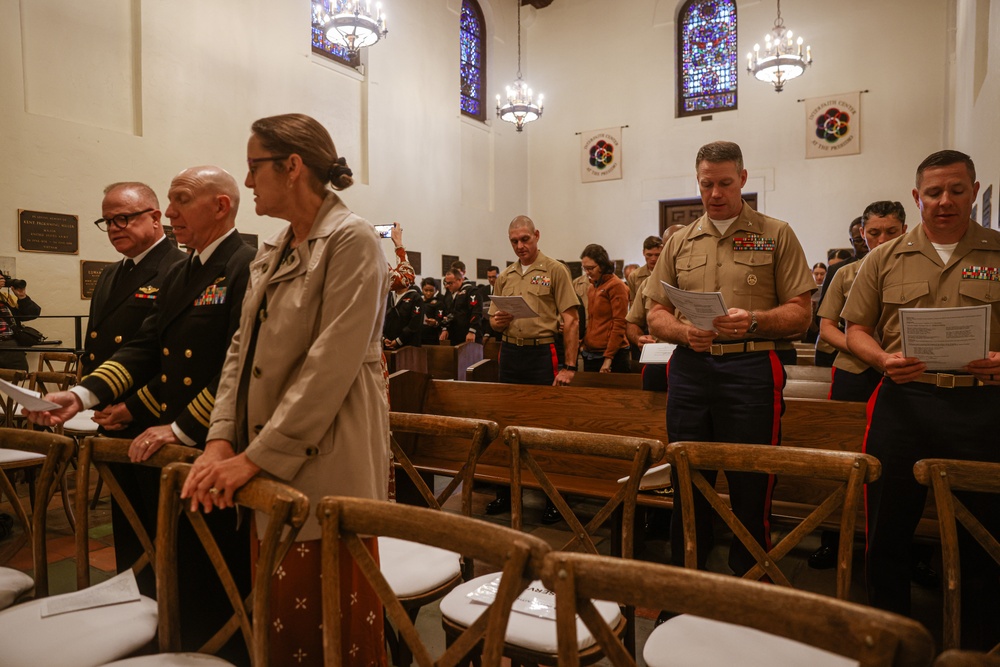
x=252, y=162
x=120, y=221
x=588, y=269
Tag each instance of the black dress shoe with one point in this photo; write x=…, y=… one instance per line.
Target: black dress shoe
x=499, y=506
x=923, y=575
x=823, y=558
x=551, y=515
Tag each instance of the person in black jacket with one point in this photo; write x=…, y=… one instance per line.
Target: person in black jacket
x=404, y=318
x=15, y=307
x=433, y=310
x=176, y=359
x=464, y=323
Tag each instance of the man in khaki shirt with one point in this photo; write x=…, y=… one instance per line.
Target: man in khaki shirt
x=651, y=249
x=726, y=383
x=946, y=261
x=529, y=353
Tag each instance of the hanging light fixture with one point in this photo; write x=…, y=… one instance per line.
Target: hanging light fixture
x=352, y=26
x=782, y=58
x=519, y=108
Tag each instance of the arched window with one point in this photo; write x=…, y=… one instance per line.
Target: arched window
x=706, y=57
x=472, y=49
x=320, y=44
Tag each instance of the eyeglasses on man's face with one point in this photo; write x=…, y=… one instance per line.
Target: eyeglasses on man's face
x=120, y=221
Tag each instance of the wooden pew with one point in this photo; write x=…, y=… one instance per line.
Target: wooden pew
x=406, y=358
x=445, y=362
x=807, y=423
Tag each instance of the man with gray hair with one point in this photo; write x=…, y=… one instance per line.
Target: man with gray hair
x=176, y=360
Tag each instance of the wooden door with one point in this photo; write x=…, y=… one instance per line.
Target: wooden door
x=684, y=211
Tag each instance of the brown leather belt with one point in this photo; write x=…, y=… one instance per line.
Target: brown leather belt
x=949, y=380
x=522, y=342
x=749, y=346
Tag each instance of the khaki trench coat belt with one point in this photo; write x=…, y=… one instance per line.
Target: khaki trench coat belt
x=521, y=342
x=949, y=380
x=749, y=346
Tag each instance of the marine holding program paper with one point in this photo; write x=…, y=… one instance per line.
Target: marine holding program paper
x=946, y=261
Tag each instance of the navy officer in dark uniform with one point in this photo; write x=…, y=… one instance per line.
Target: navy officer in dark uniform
x=124, y=296
x=726, y=383
x=176, y=359
x=463, y=323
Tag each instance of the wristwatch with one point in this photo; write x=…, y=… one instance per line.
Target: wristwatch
x=570, y=368
x=753, y=323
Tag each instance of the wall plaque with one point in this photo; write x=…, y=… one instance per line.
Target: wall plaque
x=89, y=272
x=482, y=267
x=446, y=261
x=38, y=231
x=414, y=258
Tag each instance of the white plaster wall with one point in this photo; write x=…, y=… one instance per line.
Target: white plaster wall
x=203, y=72
x=601, y=69
x=975, y=106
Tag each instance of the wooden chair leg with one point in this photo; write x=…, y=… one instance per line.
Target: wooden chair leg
x=97, y=493
x=67, y=503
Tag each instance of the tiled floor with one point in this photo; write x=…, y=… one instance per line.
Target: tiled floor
x=654, y=547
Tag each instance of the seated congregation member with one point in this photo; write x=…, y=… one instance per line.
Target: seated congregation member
x=604, y=348
x=463, y=323
x=178, y=356
x=946, y=261
x=15, y=306
x=303, y=393
x=432, y=310
x=404, y=318
x=726, y=382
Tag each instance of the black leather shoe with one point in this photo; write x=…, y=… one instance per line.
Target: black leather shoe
x=551, y=515
x=923, y=575
x=823, y=558
x=499, y=506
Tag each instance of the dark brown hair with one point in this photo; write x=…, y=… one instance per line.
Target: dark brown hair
x=298, y=134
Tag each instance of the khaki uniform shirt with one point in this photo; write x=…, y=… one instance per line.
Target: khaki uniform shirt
x=547, y=287
x=833, y=304
x=581, y=285
x=907, y=272
x=757, y=265
x=638, y=311
x=636, y=281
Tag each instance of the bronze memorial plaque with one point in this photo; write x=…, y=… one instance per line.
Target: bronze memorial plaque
x=89, y=272
x=38, y=231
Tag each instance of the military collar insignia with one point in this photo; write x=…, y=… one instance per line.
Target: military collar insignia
x=219, y=280
x=149, y=289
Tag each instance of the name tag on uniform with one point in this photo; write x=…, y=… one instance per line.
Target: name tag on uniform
x=753, y=242
x=981, y=273
x=213, y=295
x=148, y=292
x=544, y=281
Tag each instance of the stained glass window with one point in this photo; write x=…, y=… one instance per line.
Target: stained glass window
x=706, y=57
x=472, y=47
x=320, y=44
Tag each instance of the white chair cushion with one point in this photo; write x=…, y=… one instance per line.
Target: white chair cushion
x=692, y=641
x=83, y=422
x=171, y=660
x=531, y=632
x=412, y=568
x=13, y=584
x=17, y=456
x=85, y=638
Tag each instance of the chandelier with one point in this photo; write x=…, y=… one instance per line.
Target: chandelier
x=352, y=26
x=519, y=108
x=782, y=59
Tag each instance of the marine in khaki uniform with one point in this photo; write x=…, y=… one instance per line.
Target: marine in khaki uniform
x=915, y=413
x=652, y=246
x=726, y=383
x=530, y=349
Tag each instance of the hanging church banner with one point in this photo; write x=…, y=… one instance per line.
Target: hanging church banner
x=601, y=155
x=833, y=125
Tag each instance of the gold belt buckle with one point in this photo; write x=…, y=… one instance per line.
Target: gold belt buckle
x=716, y=350
x=520, y=342
x=945, y=380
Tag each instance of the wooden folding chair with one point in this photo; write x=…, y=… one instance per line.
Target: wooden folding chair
x=945, y=477
x=528, y=447
x=7, y=415
x=848, y=471
x=519, y=557
x=726, y=620
x=420, y=574
x=100, y=452
x=63, y=362
x=52, y=452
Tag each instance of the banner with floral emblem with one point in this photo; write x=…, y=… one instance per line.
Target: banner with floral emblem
x=833, y=125
x=601, y=155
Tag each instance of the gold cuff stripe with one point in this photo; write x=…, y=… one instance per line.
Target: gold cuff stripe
x=148, y=400
x=197, y=414
x=198, y=406
x=115, y=375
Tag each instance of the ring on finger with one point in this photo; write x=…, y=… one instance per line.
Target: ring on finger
x=214, y=491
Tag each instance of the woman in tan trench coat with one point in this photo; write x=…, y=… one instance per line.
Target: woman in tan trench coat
x=302, y=397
